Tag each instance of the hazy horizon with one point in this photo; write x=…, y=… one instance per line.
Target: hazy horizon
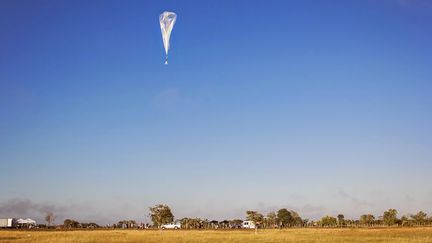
x=316, y=107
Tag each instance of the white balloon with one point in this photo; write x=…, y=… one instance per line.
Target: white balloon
x=167, y=21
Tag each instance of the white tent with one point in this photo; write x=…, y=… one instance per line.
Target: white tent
x=26, y=221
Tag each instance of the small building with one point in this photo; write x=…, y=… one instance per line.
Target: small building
x=7, y=223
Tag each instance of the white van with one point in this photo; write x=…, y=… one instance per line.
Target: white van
x=247, y=224
x=171, y=226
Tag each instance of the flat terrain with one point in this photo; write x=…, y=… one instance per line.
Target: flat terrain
x=288, y=235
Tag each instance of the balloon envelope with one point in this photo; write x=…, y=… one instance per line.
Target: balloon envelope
x=167, y=21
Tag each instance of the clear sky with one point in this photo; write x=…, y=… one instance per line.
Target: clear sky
x=324, y=107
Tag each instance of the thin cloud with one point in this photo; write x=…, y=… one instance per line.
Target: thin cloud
x=172, y=98
x=414, y=3
x=356, y=202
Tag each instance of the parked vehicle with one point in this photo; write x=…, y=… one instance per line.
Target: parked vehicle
x=248, y=224
x=171, y=226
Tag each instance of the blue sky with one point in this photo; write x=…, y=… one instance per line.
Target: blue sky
x=322, y=107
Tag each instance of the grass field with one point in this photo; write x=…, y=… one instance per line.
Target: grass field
x=289, y=235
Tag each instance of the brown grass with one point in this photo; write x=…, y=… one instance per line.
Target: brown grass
x=288, y=235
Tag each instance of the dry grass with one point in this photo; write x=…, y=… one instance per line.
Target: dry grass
x=289, y=235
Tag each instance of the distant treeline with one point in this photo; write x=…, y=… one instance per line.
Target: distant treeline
x=283, y=218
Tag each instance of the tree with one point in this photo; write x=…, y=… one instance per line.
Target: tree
x=235, y=223
x=49, y=218
x=67, y=223
x=367, y=219
x=161, y=214
x=185, y=222
x=389, y=217
x=189, y=223
x=224, y=224
x=429, y=220
x=271, y=219
x=70, y=224
x=419, y=218
x=214, y=224
x=296, y=219
x=127, y=224
x=197, y=223
x=91, y=225
x=341, y=219
x=328, y=221
x=255, y=217
x=405, y=221
x=284, y=217
x=306, y=222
